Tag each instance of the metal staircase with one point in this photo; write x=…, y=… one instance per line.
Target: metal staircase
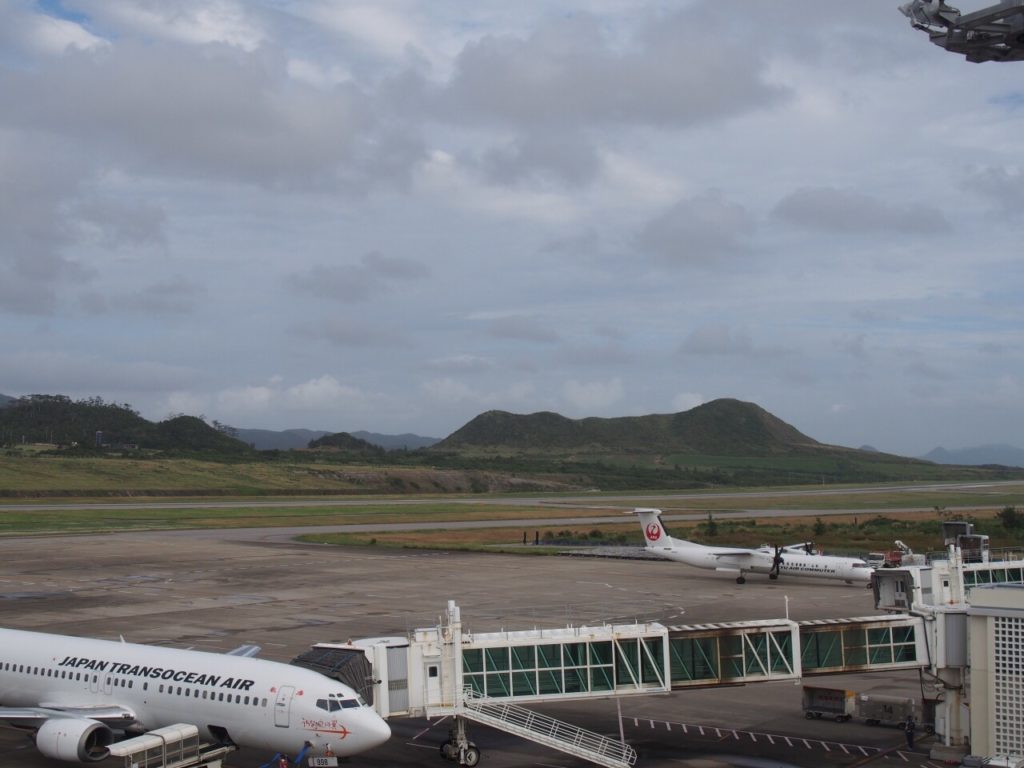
x=545, y=730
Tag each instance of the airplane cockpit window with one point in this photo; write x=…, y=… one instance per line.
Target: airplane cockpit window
x=349, y=703
x=328, y=705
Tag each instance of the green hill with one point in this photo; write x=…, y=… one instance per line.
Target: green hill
x=95, y=424
x=346, y=443
x=722, y=427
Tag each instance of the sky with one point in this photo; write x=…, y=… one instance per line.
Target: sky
x=395, y=215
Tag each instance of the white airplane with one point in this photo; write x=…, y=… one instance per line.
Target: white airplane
x=792, y=560
x=77, y=696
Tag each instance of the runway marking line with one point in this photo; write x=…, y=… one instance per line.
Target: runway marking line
x=828, y=746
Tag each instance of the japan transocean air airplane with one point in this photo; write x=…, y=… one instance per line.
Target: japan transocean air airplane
x=789, y=561
x=77, y=696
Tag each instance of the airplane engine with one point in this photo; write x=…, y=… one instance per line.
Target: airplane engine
x=75, y=739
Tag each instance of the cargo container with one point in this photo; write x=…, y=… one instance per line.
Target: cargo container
x=875, y=709
x=834, y=703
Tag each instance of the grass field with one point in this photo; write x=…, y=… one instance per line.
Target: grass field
x=874, y=521
x=850, y=535
x=875, y=518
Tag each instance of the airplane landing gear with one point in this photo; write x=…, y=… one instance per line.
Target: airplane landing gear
x=741, y=579
x=773, y=576
x=458, y=747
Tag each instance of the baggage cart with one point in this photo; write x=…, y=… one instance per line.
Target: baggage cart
x=834, y=703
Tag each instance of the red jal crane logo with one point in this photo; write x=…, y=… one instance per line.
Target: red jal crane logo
x=653, y=532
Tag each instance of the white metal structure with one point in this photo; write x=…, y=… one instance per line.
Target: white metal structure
x=175, y=746
x=972, y=608
x=75, y=693
x=773, y=562
x=443, y=671
x=996, y=633
x=546, y=730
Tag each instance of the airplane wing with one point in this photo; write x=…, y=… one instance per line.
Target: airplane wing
x=33, y=717
x=734, y=558
x=245, y=650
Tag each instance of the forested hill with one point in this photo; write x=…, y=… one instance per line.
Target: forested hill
x=722, y=427
x=346, y=443
x=93, y=423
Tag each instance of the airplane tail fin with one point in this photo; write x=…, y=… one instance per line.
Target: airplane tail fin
x=650, y=523
x=655, y=533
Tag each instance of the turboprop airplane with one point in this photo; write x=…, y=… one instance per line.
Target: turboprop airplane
x=791, y=561
x=77, y=696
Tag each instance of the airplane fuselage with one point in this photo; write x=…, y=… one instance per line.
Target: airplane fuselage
x=253, y=702
x=784, y=562
x=752, y=561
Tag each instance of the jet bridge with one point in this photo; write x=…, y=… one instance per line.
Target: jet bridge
x=488, y=677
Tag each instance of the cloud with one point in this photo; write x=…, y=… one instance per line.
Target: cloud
x=36, y=227
x=592, y=396
x=357, y=282
x=1002, y=185
x=194, y=22
x=717, y=339
x=87, y=373
x=384, y=30
x=444, y=177
x=174, y=295
x=448, y=391
x=568, y=72
x=114, y=224
x=685, y=401
x=211, y=113
x=25, y=30
x=848, y=212
x=352, y=333
x=461, y=363
x=188, y=403
x=325, y=392
x=700, y=230
x=566, y=158
x=521, y=328
x=246, y=400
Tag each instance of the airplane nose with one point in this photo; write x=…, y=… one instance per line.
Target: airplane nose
x=375, y=731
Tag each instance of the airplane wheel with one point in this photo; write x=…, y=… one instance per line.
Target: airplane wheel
x=740, y=580
x=773, y=576
x=472, y=757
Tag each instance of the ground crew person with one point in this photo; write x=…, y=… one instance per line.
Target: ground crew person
x=909, y=727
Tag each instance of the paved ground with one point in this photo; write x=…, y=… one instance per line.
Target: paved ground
x=213, y=592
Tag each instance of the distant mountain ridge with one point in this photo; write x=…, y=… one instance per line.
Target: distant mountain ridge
x=284, y=440
x=296, y=439
x=1004, y=455
x=345, y=443
x=6, y=400
x=405, y=441
x=720, y=427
